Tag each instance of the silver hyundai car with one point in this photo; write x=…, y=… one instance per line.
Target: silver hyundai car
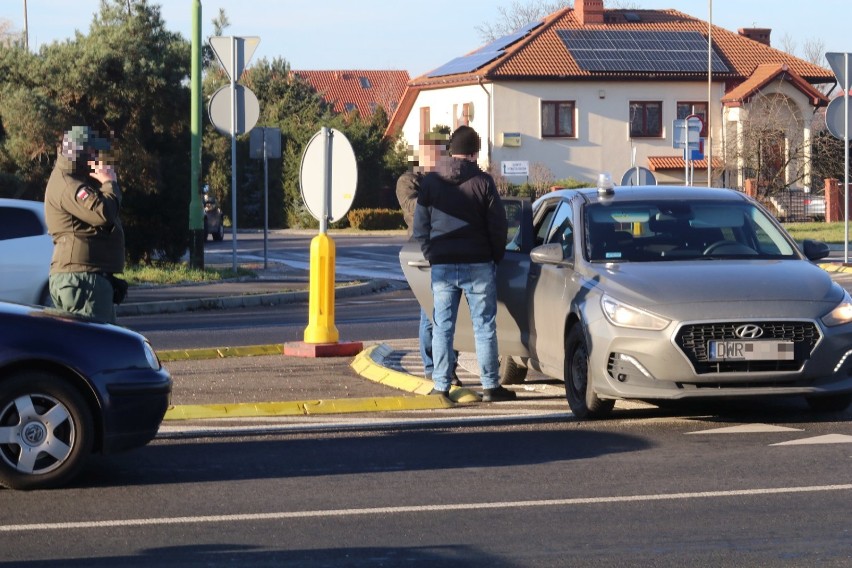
x=660, y=293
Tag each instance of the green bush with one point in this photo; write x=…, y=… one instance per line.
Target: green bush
x=376, y=219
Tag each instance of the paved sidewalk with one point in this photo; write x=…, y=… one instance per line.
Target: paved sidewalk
x=259, y=381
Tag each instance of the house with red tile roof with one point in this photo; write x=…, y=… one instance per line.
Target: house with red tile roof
x=589, y=90
x=360, y=91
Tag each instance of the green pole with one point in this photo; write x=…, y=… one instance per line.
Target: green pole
x=196, y=213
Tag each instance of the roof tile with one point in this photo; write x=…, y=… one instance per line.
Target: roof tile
x=362, y=88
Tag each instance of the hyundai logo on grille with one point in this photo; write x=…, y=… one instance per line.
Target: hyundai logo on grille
x=748, y=331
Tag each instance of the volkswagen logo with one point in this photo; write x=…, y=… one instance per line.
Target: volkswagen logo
x=748, y=331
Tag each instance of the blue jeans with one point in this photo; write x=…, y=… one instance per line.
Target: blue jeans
x=425, y=337
x=478, y=283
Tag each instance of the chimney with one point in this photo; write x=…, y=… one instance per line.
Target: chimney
x=760, y=35
x=589, y=11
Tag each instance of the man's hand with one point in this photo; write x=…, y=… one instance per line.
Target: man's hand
x=102, y=171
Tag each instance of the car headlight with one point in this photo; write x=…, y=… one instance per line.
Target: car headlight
x=152, y=358
x=842, y=312
x=624, y=315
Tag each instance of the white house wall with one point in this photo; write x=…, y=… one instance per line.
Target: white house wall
x=603, y=142
x=441, y=104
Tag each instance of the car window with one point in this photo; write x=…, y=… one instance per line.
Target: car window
x=16, y=223
x=543, y=224
x=562, y=230
x=662, y=230
x=514, y=216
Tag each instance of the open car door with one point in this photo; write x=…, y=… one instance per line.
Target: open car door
x=512, y=272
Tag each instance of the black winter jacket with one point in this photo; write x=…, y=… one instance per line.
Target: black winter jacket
x=459, y=218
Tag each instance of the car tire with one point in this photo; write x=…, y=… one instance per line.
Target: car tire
x=220, y=232
x=833, y=403
x=46, y=431
x=582, y=399
x=511, y=371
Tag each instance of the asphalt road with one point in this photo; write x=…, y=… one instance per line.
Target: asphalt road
x=758, y=483
x=741, y=489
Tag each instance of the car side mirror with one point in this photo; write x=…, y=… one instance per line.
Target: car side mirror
x=815, y=250
x=550, y=253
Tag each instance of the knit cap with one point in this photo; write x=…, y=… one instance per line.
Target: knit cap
x=464, y=142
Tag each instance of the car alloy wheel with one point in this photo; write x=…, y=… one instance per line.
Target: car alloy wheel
x=583, y=401
x=46, y=431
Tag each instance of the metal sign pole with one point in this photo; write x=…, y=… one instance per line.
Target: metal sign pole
x=328, y=137
x=265, y=203
x=234, y=154
x=846, y=157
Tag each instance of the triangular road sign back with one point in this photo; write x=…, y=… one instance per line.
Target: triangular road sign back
x=244, y=46
x=840, y=63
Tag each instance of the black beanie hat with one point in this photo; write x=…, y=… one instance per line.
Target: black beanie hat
x=464, y=142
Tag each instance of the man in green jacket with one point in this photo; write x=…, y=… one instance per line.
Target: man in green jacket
x=81, y=205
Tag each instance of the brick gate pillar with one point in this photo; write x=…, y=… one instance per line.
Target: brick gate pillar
x=834, y=208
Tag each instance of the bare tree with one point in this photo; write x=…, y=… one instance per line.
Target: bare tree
x=814, y=51
x=8, y=35
x=520, y=13
x=516, y=15
x=770, y=147
x=541, y=178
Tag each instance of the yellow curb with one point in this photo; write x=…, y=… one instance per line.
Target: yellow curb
x=304, y=408
x=366, y=366
x=220, y=352
x=835, y=267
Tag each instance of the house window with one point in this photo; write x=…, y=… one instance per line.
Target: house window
x=350, y=107
x=373, y=106
x=425, y=121
x=686, y=108
x=646, y=119
x=365, y=83
x=467, y=113
x=557, y=119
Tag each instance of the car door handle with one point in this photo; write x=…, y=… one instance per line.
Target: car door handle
x=419, y=263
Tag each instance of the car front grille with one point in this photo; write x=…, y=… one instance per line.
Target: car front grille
x=693, y=338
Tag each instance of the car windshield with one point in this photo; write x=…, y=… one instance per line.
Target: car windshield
x=678, y=230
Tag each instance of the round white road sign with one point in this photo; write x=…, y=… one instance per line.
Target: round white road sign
x=344, y=175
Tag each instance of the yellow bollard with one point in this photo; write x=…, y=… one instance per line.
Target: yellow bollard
x=321, y=328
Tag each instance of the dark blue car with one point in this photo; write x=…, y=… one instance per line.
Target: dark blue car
x=70, y=386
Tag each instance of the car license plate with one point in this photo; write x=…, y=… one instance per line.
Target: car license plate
x=750, y=350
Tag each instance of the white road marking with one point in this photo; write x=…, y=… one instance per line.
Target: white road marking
x=329, y=513
x=747, y=429
x=826, y=439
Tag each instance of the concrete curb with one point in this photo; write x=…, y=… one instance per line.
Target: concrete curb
x=303, y=407
x=835, y=267
x=368, y=364
x=244, y=301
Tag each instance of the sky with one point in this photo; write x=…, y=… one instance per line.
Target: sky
x=411, y=35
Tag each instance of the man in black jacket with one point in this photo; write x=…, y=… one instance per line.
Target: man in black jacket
x=461, y=225
x=432, y=151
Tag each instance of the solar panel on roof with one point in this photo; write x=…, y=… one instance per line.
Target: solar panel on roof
x=483, y=55
x=640, y=51
x=466, y=63
x=507, y=40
